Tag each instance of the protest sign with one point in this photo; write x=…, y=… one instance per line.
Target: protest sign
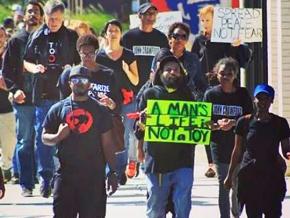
x=178, y=122
x=163, y=20
x=230, y=24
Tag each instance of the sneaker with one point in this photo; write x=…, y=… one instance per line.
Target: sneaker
x=123, y=179
x=45, y=191
x=210, y=173
x=137, y=169
x=36, y=181
x=14, y=181
x=131, y=169
x=26, y=192
x=7, y=175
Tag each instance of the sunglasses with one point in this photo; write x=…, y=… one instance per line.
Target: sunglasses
x=80, y=80
x=150, y=13
x=89, y=55
x=177, y=36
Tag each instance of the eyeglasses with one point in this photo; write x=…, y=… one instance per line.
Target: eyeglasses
x=81, y=80
x=150, y=13
x=89, y=54
x=178, y=36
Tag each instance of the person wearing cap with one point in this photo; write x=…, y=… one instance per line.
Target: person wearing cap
x=145, y=41
x=261, y=180
x=229, y=102
x=18, y=15
x=168, y=166
x=80, y=127
x=50, y=49
x=21, y=87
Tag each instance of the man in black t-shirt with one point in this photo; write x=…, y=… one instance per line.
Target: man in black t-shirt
x=81, y=129
x=49, y=50
x=145, y=41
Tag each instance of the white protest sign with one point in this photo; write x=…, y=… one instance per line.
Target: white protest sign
x=237, y=23
x=163, y=20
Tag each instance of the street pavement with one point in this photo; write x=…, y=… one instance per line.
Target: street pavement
x=130, y=200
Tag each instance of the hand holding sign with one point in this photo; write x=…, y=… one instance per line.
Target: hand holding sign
x=230, y=24
x=178, y=122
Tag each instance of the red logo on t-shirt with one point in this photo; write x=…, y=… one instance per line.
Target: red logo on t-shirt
x=79, y=120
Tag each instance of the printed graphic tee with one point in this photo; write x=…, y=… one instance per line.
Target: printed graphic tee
x=144, y=46
x=226, y=105
x=81, y=152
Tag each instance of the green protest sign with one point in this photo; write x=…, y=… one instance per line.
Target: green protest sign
x=178, y=122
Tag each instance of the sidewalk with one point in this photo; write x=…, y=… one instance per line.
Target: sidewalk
x=129, y=201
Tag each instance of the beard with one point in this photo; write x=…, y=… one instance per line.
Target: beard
x=79, y=92
x=172, y=82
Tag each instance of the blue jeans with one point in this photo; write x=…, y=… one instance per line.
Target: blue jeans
x=224, y=199
x=130, y=141
x=24, y=153
x=159, y=187
x=44, y=152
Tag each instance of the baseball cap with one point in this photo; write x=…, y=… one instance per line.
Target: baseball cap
x=171, y=58
x=80, y=71
x=16, y=7
x=264, y=88
x=145, y=7
x=52, y=6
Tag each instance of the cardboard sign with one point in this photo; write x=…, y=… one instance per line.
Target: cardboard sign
x=230, y=24
x=163, y=20
x=178, y=122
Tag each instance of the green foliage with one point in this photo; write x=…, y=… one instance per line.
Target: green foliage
x=4, y=12
x=96, y=19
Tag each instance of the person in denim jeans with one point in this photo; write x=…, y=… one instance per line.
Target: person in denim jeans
x=229, y=103
x=168, y=166
x=123, y=62
x=50, y=49
x=21, y=87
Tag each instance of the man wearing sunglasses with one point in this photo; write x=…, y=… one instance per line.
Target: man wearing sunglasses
x=81, y=129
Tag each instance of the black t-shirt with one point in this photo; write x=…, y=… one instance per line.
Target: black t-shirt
x=54, y=51
x=262, y=140
x=145, y=46
x=162, y=157
x=210, y=53
x=81, y=153
x=227, y=105
x=102, y=82
x=127, y=89
x=5, y=105
x=13, y=66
